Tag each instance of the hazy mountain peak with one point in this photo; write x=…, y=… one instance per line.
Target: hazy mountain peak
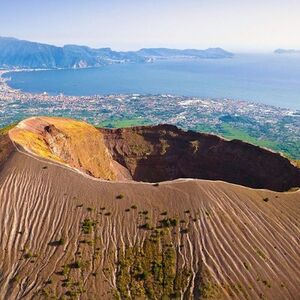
x=15, y=53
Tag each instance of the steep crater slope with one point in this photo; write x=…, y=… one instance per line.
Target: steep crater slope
x=164, y=152
x=70, y=142
x=65, y=236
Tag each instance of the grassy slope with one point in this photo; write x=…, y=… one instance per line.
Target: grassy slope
x=6, y=147
x=292, y=151
x=228, y=131
x=123, y=123
x=6, y=129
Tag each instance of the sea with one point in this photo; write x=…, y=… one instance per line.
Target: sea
x=270, y=79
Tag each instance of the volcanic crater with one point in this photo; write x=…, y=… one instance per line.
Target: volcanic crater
x=154, y=154
x=75, y=223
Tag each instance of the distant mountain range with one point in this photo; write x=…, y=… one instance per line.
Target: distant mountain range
x=16, y=53
x=287, y=51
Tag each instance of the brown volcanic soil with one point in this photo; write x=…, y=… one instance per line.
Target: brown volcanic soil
x=230, y=242
x=164, y=152
x=67, y=235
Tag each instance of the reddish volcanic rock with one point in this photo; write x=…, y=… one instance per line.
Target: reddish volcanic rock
x=164, y=152
x=151, y=153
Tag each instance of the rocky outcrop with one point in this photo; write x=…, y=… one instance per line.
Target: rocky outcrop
x=164, y=152
x=73, y=143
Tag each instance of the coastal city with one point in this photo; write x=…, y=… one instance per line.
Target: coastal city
x=267, y=126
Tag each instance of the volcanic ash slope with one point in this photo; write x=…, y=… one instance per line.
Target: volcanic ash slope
x=65, y=235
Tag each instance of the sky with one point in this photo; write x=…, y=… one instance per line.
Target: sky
x=235, y=25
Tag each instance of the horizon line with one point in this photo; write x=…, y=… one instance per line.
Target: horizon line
x=148, y=47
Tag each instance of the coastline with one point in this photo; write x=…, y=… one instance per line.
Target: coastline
x=20, y=94
x=5, y=89
x=201, y=80
x=260, y=124
x=7, y=92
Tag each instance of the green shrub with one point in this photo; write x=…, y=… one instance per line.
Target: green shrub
x=145, y=226
x=77, y=264
x=16, y=278
x=168, y=222
x=61, y=241
x=87, y=226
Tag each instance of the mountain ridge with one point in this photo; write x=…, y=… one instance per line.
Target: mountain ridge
x=15, y=53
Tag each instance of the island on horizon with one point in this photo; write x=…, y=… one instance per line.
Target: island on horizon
x=287, y=51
